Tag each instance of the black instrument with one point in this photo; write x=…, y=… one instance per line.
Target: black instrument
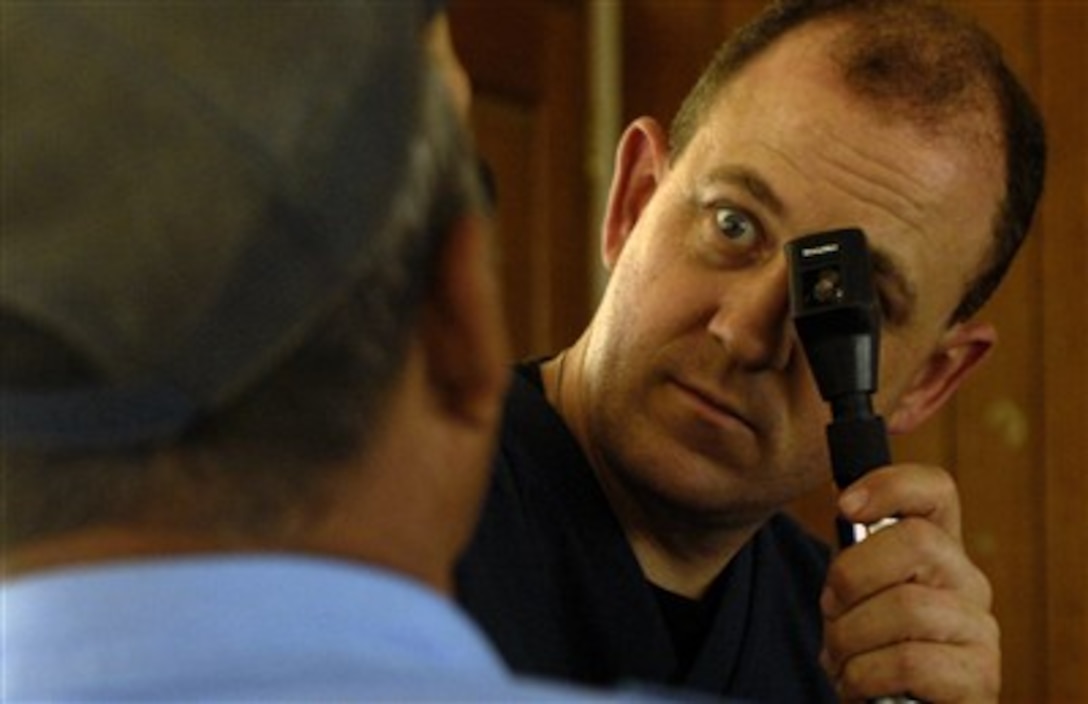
x=836, y=311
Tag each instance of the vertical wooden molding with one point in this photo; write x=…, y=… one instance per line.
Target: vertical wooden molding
x=1064, y=87
x=605, y=122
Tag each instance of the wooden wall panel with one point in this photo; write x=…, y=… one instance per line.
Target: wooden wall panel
x=1063, y=90
x=686, y=33
x=527, y=63
x=998, y=427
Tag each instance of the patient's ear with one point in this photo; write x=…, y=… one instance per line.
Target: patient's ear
x=958, y=353
x=464, y=336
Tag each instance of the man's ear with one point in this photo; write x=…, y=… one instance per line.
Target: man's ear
x=464, y=336
x=641, y=162
x=958, y=353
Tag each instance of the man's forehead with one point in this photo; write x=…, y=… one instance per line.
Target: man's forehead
x=922, y=211
x=792, y=100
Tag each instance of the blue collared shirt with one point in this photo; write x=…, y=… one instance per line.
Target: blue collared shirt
x=245, y=627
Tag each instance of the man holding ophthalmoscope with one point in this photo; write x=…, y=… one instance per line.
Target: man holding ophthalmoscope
x=635, y=528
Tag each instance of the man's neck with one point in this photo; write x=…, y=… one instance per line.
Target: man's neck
x=676, y=552
x=675, y=555
x=101, y=544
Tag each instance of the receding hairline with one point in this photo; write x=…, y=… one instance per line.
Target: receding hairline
x=853, y=32
x=965, y=103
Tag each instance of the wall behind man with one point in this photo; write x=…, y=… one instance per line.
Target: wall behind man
x=1016, y=437
x=527, y=61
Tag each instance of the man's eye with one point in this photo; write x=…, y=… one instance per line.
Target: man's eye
x=735, y=224
x=890, y=310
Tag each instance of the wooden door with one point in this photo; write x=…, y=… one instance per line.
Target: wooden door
x=527, y=63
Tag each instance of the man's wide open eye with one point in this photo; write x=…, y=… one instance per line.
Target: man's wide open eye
x=735, y=224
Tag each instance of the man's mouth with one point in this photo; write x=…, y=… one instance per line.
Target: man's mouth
x=722, y=411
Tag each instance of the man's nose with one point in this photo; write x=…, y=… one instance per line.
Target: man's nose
x=752, y=320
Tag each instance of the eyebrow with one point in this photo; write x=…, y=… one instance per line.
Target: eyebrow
x=885, y=267
x=750, y=181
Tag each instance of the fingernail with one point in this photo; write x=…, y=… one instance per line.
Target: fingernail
x=852, y=501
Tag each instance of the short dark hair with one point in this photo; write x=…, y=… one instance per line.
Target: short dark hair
x=256, y=469
x=925, y=60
